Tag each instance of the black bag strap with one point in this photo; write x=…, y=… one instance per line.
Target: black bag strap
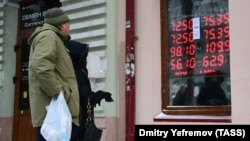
x=90, y=116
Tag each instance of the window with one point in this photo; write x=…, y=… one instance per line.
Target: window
x=195, y=57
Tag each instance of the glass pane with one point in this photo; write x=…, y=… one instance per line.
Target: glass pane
x=198, y=52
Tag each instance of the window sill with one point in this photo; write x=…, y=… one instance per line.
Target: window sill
x=191, y=118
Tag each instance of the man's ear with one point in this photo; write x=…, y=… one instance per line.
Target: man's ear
x=60, y=27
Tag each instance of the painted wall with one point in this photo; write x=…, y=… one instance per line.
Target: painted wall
x=148, y=61
x=9, y=41
x=8, y=71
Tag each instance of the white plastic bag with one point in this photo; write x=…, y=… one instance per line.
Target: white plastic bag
x=58, y=121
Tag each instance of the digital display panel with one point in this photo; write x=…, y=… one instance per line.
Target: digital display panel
x=198, y=52
x=198, y=37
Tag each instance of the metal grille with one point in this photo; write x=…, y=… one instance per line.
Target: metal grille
x=88, y=24
x=88, y=21
x=1, y=41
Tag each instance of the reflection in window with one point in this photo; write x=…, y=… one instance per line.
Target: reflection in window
x=213, y=89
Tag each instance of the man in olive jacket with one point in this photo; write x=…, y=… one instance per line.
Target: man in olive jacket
x=50, y=68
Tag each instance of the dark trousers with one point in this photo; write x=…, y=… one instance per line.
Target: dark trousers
x=74, y=134
x=39, y=136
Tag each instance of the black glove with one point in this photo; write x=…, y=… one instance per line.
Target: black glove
x=107, y=97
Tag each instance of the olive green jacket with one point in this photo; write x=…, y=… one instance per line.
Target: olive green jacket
x=50, y=71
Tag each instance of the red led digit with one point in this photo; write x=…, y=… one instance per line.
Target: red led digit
x=191, y=63
x=191, y=40
x=190, y=37
x=220, y=59
x=205, y=61
x=179, y=38
x=190, y=24
x=179, y=51
x=172, y=52
x=179, y=64
x=226, y=31
x=226, y=18
x=173, y=38
x=220, y=46
x=185, y=37
x=219, y=33
x=206, y=19
x=184, y=25
x=206, y=33
x=219, y=19
x=173, y=26
x=190, y=50
x=226, y=45
x=212, y=62
x=178, y=26
x=173, y=64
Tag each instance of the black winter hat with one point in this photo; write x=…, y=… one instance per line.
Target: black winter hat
x=55, y=16
x=77, y=52
x=217, y=73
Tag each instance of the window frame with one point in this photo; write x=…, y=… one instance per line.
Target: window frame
x=181, y=110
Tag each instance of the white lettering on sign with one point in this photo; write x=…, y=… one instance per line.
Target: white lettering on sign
x=33, y=16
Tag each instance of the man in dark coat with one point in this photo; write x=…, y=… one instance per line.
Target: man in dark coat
x=78, y=53
x=212, y=94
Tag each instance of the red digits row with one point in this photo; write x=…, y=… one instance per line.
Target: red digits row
x=216, y=20
x=211, y=20
x=207, y=61
x=182, y=38
x=182, y=25
x=210, y=34
x=190, y=50
x=177, y=64
x=217, y=33
x=213, y=61
x=220, y=46
x=178, y=51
